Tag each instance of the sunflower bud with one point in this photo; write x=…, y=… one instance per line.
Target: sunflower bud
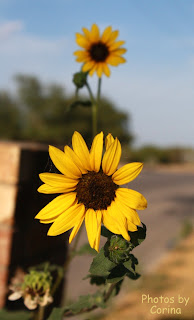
x=117, y=249
x=79, y=79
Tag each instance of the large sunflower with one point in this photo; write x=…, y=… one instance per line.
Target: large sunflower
x=99, y=50
x=90, y=187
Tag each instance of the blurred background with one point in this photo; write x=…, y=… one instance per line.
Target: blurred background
x=147, y=103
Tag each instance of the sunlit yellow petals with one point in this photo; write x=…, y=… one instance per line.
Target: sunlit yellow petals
x=106, y=34
x=115, y=60
x=114, y=221
x=127, y=173
x=46, y=221
x=81, y=150
x=57, y=206
x=75, y=230
x=82, y=41
x=95, y=34
x=121, y=220
x=109, y=140
x=113, y=37
x=91, y=226
x=109, y=221
x=86, y=32
x=111, y=158
x=131, y=226
x=82, y=56
x=67, y=220
x=57, y=180
x=88, y=66
x=120, y=51
x=96, y=152
x=99, y=70
x=131, y=198
x=73, y=156
x=129, y=213
x=99, y=221
x=63, y=163
x=106, y=69
x=45, y=188
x=91, y=72
x=116, y=45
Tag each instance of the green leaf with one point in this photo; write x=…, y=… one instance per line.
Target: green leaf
x=82, y=304
x=126, y=269
x=85, y=249
x=131, y=263
x=138, y=236
x=117, y=274
x=101, y=265
x=106, y=233
x=16, y=315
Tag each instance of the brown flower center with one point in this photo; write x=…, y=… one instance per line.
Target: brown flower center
x=96, y=190
x=99, y=52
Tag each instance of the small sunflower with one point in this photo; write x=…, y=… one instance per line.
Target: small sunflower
x=90, y=187
x=99, y=50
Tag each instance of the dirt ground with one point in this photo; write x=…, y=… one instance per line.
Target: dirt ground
x=167, y=293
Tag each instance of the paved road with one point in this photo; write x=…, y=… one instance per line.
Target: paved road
x=170, y=198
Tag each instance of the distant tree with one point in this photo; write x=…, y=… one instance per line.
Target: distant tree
x=46, y=116
x=10, y=117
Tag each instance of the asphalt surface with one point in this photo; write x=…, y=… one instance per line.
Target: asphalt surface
x=170, y=197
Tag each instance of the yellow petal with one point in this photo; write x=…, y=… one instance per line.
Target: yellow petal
x=67, y=220
x=63, y=163
x=58, y=180
x=115, y=221
x=131, y=198
x=109, y=140
x=91, y=226
x=57, y=206
x=106, y=69
x=114, y=60
x=129, y=213
x=94, y=34
x=99, y=222
x=81, y=54
x=88, y=66
x=45, y=188
x=120, y=51
x=121, y=220
x=116, y=45
x=73, y=156
x=109, y=222
x=99, y=69
x=75, y=230
x=96, y=152
x=111, y=158
x=113, y=37
x=86, y=32
x=127, y=173
x=91, y=72
x=106, y=34
x=131, y=226
x=82, y=41
x=81, y=149
x=46, y=221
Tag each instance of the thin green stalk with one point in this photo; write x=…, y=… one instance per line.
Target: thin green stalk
x=40, y=313
x=94, y=111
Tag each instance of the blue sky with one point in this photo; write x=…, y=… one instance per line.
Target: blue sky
x=156, y=85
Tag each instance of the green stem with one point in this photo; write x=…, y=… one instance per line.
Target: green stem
x=40, y=313
x=99, y=90
x=94, y=111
